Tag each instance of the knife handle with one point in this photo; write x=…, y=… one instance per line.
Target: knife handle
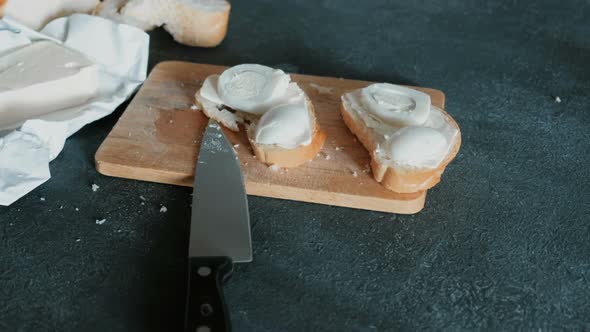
x=205, y=308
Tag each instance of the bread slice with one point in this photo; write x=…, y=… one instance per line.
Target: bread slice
x=191, y=22
x=393, y=177
x=270, y=154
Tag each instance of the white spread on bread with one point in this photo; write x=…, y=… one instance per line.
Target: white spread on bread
x=285, y=125
x=396, y=105
x=285, y=117
x=405, y=137
x=41, y=78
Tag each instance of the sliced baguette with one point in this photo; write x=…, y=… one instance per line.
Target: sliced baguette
x=191, y=22
x=268, y=154
x=398, y=179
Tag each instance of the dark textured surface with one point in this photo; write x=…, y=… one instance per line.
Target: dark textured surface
x=503, y=244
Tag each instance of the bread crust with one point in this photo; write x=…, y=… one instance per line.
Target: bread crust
x=2, y=4
x=200, y=28
x=396, y=179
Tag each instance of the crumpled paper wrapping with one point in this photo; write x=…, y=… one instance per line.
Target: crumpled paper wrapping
x=120, y=50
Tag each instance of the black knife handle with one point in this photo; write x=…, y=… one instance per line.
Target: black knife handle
x=205, y=306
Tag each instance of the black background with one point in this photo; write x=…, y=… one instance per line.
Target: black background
x=503, y=243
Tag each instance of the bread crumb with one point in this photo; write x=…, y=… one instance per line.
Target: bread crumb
x=341, y=78
x=141, y=197
x=142, y=203
x=236, y=146
x=327, y=157
x=194, y=107
x=195, y=141
x=219, y=135
x=170, y=121
x=355, y=174
x=95, y=187
x=274, y=167
x=317, y=154
x=321, y=89
x=129, y=134
x=339, y=148
x=163, y=209
x=77, y=209
x=61, y=207
x=101, y=221
x=78, y=240
x=246, y=164
x=557, y=99
x=42, y=199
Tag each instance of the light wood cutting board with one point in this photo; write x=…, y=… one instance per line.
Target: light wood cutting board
x=158, y=137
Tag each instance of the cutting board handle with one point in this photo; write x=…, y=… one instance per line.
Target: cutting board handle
x=205, y=307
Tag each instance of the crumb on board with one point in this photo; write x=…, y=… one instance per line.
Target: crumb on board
x=78, y=240
x=170, y=121
x=142, y=203
x=77, y=209
x=274, y=167
x=101, y=221
x=163, y=209
x=327, y=157
x=317, y=154
x=61, y=207
x=141, y=197
x=246, y=164
x=236, y=146
x=338, y=148
x=194, y=107
x=129, y=134
x=557, y=99
x=95, y=187
x=321, y=89
x=195, y=141
x=355, y=174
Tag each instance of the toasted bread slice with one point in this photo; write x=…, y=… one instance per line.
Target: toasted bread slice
x=395, y=177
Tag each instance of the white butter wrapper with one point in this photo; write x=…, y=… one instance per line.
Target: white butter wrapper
x=121, y=51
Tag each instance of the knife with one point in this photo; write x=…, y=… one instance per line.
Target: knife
x=219, y=234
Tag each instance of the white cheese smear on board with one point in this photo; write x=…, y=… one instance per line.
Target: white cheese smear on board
x=121, y=53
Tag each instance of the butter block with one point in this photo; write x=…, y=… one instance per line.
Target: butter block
x=42, y=78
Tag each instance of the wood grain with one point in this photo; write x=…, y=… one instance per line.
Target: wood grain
x=158, y=137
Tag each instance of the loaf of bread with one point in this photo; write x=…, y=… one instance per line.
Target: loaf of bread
x=410, y=141
x=279, y=117
x=190, y=22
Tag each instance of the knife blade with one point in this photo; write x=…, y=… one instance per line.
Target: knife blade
x=219, y=231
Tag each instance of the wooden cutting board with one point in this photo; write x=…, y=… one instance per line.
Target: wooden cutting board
x=158, y=137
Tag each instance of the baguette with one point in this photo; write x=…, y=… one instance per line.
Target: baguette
x=282, y=130
x=190, y=22
x=374, y=134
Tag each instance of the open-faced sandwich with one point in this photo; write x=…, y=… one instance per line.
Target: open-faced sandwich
x=410, y=141
x=278, y=116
